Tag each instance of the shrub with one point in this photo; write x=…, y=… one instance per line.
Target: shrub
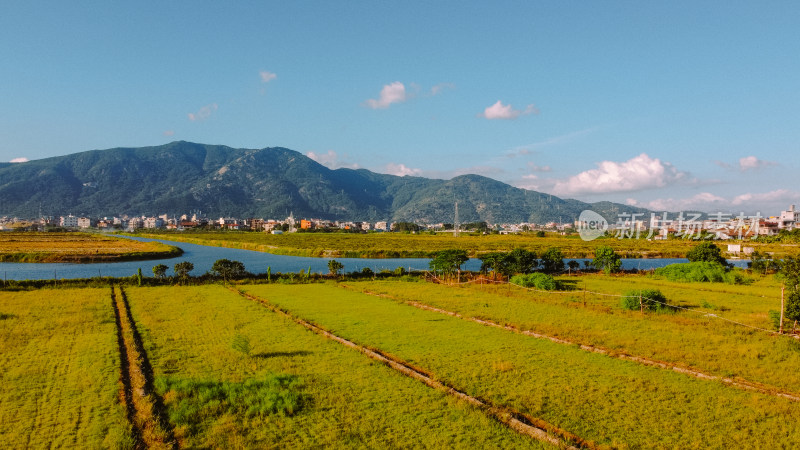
x=702, y=271
x=775, y=318
x=536, y=280
x=706, y=252
x=241, y=343
x=651, y=299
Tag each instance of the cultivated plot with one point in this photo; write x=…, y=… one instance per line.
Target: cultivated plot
x=59, y=371
x=598, y=398
x=234, y=373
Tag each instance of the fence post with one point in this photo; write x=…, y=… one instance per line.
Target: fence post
x=641, y=305
x=584, y=293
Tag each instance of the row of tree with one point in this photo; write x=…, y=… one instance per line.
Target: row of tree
x=521, y=261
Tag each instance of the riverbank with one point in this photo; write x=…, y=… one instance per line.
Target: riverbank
x=81, y=248
x=425, y=245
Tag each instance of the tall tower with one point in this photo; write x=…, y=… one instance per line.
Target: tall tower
x=456, y=225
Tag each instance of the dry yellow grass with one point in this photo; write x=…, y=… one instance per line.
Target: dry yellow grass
x=77, y=247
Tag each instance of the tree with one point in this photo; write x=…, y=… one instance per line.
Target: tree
x=160, y=271
x=606, y=259
x=522, y=261
x=335, y=267
x=790, y=272
x=552, y=260
x=573, y=265
x=706, y=251
x=762, y=263
x=182, y=269
x=405, y=226
x=497, y=262
x=448, y=261
x=227, y=269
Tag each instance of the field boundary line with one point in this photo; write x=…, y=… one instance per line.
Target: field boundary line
x=521, y=423
x=149, y=419
x=686, y=370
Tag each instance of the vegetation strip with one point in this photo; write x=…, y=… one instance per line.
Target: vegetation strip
x=143, y=404
x=741, y=384
x=535, y=428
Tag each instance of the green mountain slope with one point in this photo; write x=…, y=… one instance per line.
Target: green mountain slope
x=272, y=182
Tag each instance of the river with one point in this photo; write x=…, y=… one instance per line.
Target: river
x=203, y=258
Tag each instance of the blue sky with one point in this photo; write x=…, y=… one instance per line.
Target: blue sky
x=667, y=105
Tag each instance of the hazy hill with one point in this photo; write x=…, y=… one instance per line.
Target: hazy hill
x=272, y=182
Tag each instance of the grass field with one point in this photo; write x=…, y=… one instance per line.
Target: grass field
x=401, y=245
x=343, y=399
x=691, y=339
x=601, y=399
x=36, y=247
x=229, y=372
x=59, y=371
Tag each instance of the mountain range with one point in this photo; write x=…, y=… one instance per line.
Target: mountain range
x=180, y=177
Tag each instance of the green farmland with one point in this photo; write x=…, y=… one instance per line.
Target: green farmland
x=249, y=366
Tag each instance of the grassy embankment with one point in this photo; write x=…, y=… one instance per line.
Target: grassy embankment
x=400, y=245
x=601, y=399
x=34, y=247
x=321, y=393
x=59, y=376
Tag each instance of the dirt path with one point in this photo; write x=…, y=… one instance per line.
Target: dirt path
x=686, y=370
x=521, y=423
x=144, y=407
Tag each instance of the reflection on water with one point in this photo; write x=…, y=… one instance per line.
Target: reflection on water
x=257, y=262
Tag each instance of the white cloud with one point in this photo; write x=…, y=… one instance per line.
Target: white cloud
x=506, y=112
x=556, y=140
x=391, y=93
x=535, y=168
x=747, y=163
x=641, y=172
x=439, y=88
x=19, y=160
x=203, y=113
x=752, y=163
x=703, y=201
x=401, y=170
x=266, y=77
x=778, y=196
x=331, y=160
x=767, y=203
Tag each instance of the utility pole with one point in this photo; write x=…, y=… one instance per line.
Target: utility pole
x=780, y=328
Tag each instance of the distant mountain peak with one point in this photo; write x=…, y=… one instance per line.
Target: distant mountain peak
x=270, y=182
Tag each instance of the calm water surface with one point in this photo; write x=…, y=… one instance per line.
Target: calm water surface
x=257, y=262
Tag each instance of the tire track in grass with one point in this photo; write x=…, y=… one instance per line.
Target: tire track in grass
x=521, y=423
x=126, y=390
x=689, y=371
x=145, y=408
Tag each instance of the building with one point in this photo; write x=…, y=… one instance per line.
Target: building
x=153, y=222
x=134, y=223
x=789, y=219
x=85, y=222
x=69, y=221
